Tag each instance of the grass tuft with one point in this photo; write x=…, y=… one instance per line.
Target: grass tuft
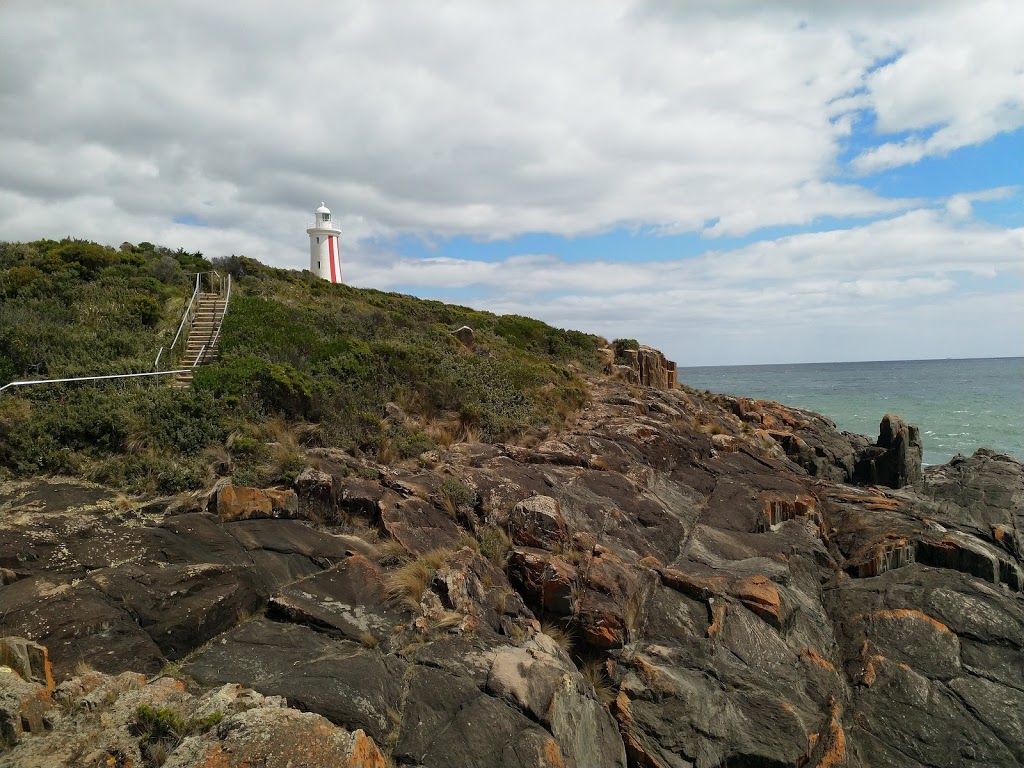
x=406, y=585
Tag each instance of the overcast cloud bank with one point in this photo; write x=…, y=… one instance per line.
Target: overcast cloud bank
x=792, y=141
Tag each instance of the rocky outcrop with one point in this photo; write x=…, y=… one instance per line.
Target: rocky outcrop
x=645, y=366
x=94, y=719
x=895, y=459
x=680, y=579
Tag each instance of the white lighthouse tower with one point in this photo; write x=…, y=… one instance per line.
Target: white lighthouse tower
x=324, y=250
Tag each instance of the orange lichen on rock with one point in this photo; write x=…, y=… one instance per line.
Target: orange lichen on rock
x=657, y=680
x=553, y=755
x=365, y=753
x=717, y=618
x=31, y=661
x=874, y=501
x=778, y=508
x=911, y=614
x=636, y=754
x=869, y=674
x=835, y=751
x=813, y=657
x=607, y=630
x=215, y=757
x=759, y=594
x=241, y=503
x=693, y=586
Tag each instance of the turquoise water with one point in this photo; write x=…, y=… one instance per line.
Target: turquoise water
x=959, y=405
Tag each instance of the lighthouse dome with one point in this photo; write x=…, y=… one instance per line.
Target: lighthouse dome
x=323, y=209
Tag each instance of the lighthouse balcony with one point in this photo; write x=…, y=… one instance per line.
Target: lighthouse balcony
x=323, y=225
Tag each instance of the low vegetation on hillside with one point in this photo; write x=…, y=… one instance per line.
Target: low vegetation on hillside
x=302, y=362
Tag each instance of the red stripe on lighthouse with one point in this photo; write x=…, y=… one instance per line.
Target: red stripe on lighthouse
x=330, y=243
x=337, y=247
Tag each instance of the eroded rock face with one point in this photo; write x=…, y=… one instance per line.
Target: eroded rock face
x=895, y=459
x=94, y=719
x=678, y=580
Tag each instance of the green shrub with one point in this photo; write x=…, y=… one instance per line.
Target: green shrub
x=292, y=346
x=621, y=346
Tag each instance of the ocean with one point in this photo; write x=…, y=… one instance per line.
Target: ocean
x=959, y=405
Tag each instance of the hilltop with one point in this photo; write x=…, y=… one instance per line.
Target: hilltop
x=303, y=360
x=499, y=552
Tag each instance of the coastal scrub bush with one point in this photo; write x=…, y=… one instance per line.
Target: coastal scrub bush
x=293, y=347
x=621, y=347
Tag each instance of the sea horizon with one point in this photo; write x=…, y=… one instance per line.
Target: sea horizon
x=959, y=404
x=854, y=362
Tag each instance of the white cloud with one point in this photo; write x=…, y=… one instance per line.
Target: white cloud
x=489, y=120
x=492, y=120
x=793, y=288
x=958, y=82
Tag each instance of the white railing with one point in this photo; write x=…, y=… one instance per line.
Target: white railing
x=332, y=225
x=227, y=299
x=90, y=378
x=188, y=312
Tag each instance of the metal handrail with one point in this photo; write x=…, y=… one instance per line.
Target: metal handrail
x=156, y=363
x=199, y=357
x=227, y=299
x=91, y=378
x=188, y=310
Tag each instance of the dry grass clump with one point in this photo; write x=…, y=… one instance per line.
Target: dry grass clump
x=219, y=462
x=448, y=619
x=713, y=428
x=562, y=636
x=285, y=461
x=500, y=599
x=391, y=553
x=594, y=673
x=406, y=585
x=368, y=639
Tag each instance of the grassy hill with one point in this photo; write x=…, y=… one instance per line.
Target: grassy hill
x=302, y=361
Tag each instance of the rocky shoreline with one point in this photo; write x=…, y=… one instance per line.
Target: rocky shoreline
x=679, y=579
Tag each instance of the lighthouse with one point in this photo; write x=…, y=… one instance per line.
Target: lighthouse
x=324, y=252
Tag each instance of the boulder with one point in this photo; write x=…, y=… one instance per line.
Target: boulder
x=347, y=600
x=25, y=707
x=416, y=524
x=78, y=623
x=448, y=722
x=316, y=497
x=239, y=503
x=538, y=522
x=895, y=459
x=351, y=685
x=31, y=661
x=546, y=686
x=182, y=606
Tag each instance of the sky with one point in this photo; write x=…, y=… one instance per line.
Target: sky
x=731, y=181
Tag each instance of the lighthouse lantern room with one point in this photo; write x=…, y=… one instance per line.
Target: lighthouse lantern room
x=324, y=251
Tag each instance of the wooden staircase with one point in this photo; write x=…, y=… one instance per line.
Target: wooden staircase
x=203, y=336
